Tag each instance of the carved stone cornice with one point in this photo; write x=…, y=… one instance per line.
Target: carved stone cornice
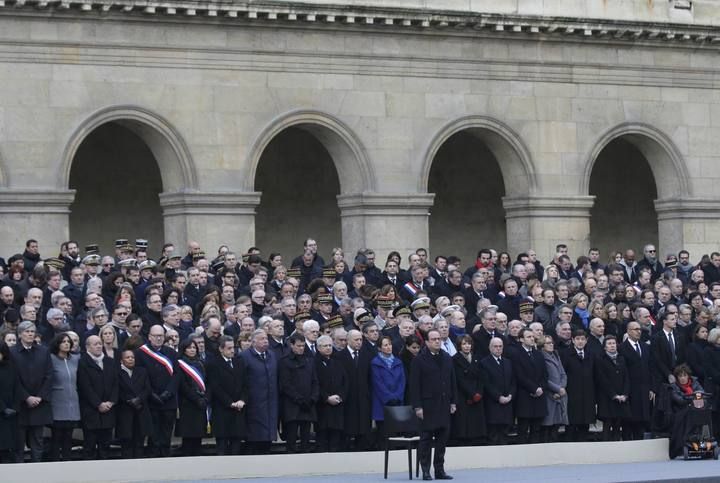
x=548, y=206
x=385, y=204
x=376, y=17
x=20, y=201
x=209, y=203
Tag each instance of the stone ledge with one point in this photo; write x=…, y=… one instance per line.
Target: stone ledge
x=385, y=204
x=381, y=17
x=548, y=206
x=688, y=208
x=19, y=201
x=209, y=203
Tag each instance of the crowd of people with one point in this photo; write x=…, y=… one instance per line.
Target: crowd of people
x=250, y=349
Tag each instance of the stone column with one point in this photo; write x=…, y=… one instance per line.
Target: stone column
x=384, y=222
x=40, y=214
x=690, y=224
x=210, y=218
x=541, y=222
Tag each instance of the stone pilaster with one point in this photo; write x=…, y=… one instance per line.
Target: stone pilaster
x=39, y=214
x=385, y=222
x=690, y=223
x=541, y=222
x=210, y=218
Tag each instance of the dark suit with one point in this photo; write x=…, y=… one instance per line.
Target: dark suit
x=433, y=389
x=531, y=374
x=499, y=381
x=358, y=402
x=638, y=367
x=95, y=386
x=133, y=412
x=227, y=385
x=331, y=419
x=481, y=339
x=662, y=359
x=581, y=392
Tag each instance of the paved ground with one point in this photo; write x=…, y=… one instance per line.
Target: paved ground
x=666, y=471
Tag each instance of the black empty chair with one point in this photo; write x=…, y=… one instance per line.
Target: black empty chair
x=401, y=426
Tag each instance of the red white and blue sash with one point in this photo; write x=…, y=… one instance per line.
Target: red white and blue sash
x=410, y=287
x=159, y=358
x=193, y=373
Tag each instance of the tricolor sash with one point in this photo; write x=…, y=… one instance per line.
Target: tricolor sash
x=159, y=358
x=193, y=373
x=410, y=287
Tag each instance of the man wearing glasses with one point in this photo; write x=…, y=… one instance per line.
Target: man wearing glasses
x=651, y=262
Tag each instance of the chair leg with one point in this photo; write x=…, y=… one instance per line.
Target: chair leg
x=417, y=462
x=410, y=461
x=387, y=455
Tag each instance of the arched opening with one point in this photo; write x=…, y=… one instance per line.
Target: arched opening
x=118, y=181
x=468, y=184
x=299, y=184
x=624, y=187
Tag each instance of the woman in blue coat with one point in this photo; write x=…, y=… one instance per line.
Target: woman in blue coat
x=388, y=380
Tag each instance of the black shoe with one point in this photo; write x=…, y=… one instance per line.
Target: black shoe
x=443, y=476
x=427, y=477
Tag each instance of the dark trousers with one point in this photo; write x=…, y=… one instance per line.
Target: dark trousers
x=227, y=446
x=634, y=430
x=549, y=434
x=191, y=446
x=133, y=448
x=578, y=432
x=440, y=437
x=529, y=430
x=259, y=447
x=61, y=444
x=33, y=436
x=329, y=440
x=291, y=431
x=96, y=443
x=497, y=434
x=163, y=423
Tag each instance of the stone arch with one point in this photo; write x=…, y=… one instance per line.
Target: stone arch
x=667, y=165
x=506, y=145
x=170, y=151
x=355, y=172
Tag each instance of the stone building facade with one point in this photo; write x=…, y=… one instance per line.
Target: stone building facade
x=394, y=124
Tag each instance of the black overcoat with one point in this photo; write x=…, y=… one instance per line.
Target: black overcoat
x=132, y=421
x=661, y=365
x=8, y=399
x=34, y=369
x=333, y=380
x=96, y=385
x=580, y=387
x=263, y=401
x=469, y=420
x=530, y=374
x=433, y=388
x=227, y=385
x=711, y=365
x=299, y=387
x=499, y=381
x=192, y=401
x=160, y=378
x=611, y=379
x=358, y=402
x=638, y=368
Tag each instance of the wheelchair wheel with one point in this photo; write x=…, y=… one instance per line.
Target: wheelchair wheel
x=685, y=453
x=716, y=453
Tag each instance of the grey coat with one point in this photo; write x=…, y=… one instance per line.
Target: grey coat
x=65, y=401
x=556, y=408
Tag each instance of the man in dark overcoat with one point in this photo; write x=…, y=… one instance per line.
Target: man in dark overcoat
x=334, y=385
x=34, y=369
x=229, y=393
x=500, y=391
x=433, y=395
x=532, y=379
x=299, y=391
x=356, y=363
x=97, y=380
x=161, y=364
x=261, y=372
x=637, y=359
x=579, y=367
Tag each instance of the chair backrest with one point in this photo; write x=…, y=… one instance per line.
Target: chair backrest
x=400, y=420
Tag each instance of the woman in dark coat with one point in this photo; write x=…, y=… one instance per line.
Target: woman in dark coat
x=580, y=372
x=468, y=422
x=228, y=388
x=192, y=399
x=411, y=346
x=695, y=350
x=133, y=413
x=300, y=391
x=613, y=389
x=333, y=391
x=388, y=381
x=8, y=406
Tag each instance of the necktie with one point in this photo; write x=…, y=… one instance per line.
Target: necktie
x=499, y=361
x=355, y=357
x=637, y=349
x=312, y=348
x=392, y=280
x=230, y=363
x=262, y=356
x=582, y=354
x=671, y=342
